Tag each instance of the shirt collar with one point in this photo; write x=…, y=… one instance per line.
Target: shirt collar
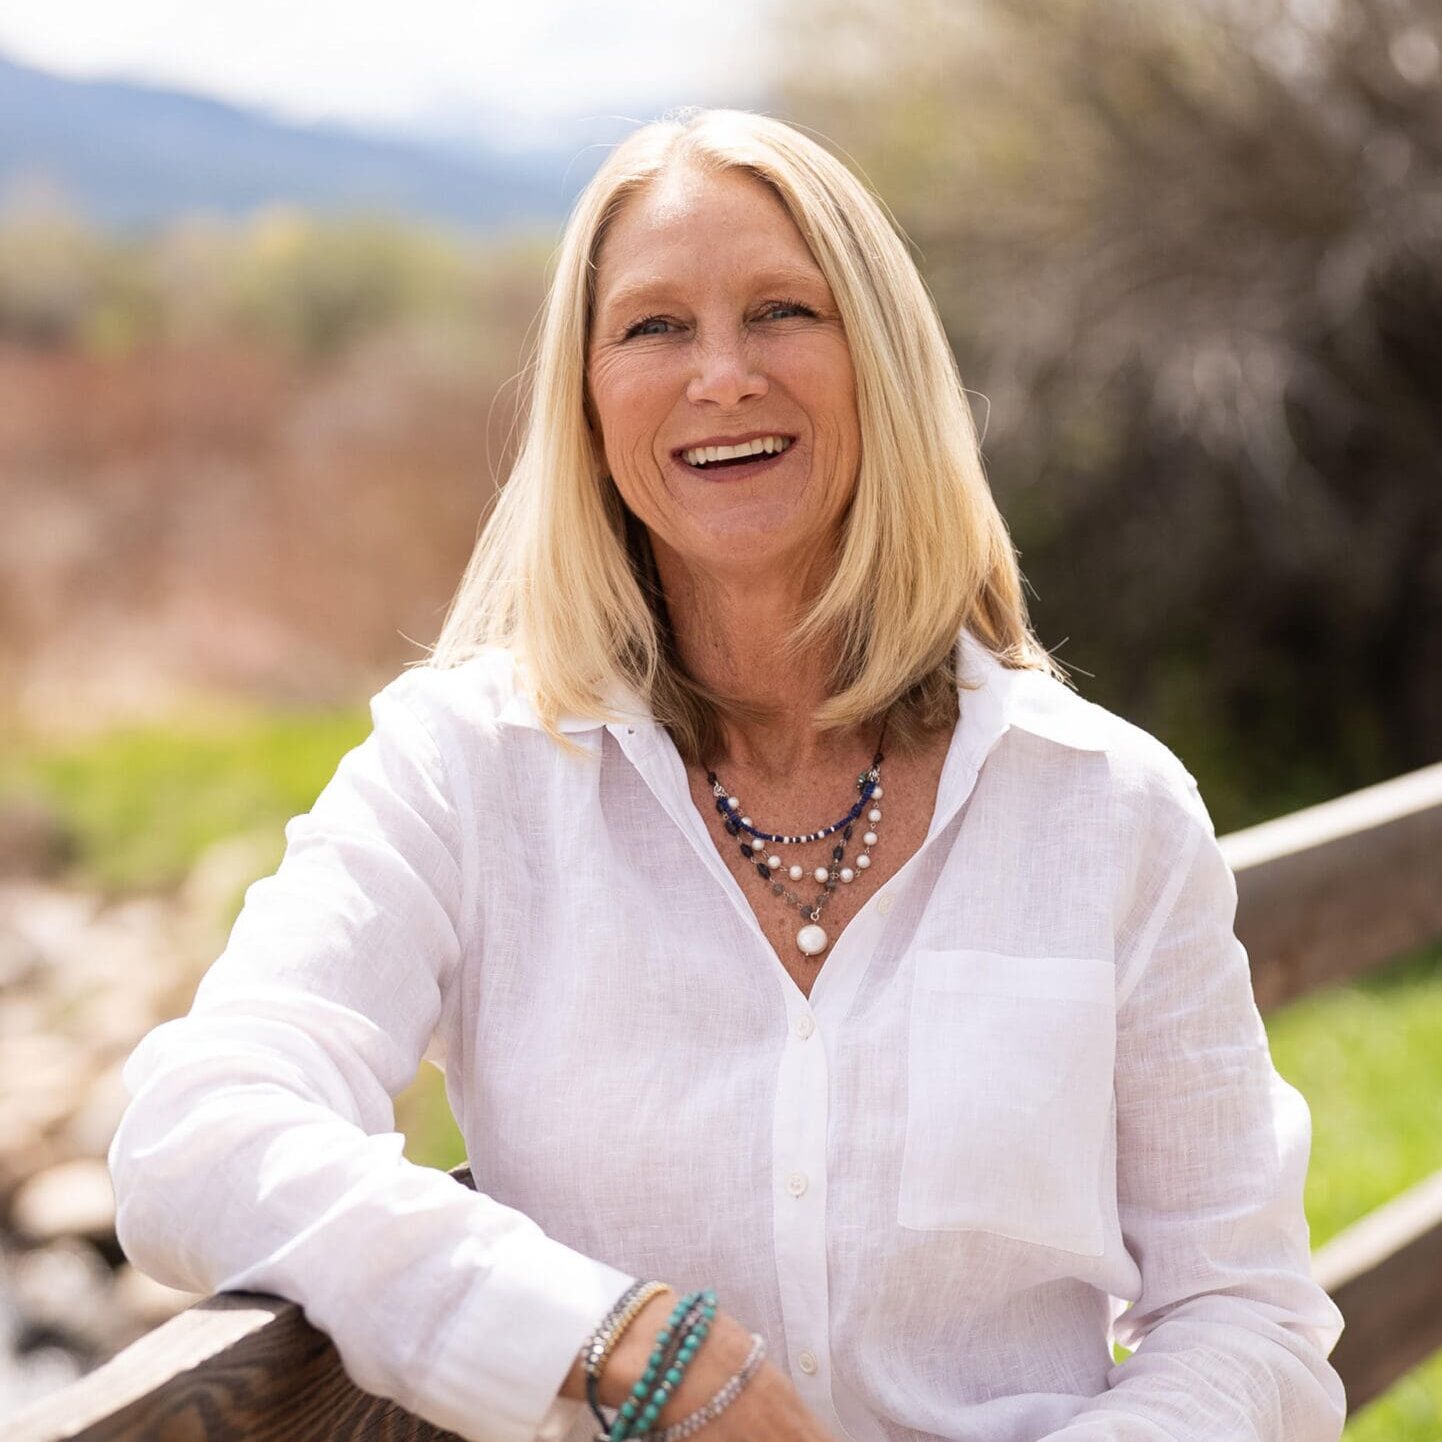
x=1029, y=699
x=1005, y=697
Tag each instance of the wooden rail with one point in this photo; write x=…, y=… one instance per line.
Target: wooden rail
x=1336, y=890
x=1385, y=1273
x=236, y=1367
x=1324, y=895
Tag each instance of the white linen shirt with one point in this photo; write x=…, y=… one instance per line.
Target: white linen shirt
x=1030, y=1086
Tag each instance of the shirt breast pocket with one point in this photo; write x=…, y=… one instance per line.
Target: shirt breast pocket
x=1009, y=1096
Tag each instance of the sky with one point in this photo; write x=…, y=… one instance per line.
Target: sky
x=522, y=73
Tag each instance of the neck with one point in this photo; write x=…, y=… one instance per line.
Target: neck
x=730, y=637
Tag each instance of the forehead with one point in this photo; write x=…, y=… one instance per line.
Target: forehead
x=688, y=225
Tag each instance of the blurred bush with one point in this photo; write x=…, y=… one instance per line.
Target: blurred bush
x=1190, y=259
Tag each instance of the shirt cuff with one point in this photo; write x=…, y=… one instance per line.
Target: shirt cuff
x=498, y=1370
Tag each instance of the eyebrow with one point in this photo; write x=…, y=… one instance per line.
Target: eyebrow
x=641, y=292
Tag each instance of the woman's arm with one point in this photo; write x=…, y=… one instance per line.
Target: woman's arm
x=1231, y=1333
x=768, y=1409
x=259, y=1150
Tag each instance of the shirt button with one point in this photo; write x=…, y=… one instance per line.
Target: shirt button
x=804, y=1026
x=807, y=1362
x=885, y=902
x=796, y=1183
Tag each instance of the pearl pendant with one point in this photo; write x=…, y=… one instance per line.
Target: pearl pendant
x=812, y=940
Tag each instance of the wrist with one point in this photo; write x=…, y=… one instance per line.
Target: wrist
x=719, y=1357
x=632, y=1351
x=611, y=1373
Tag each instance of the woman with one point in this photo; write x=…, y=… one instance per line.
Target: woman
x=785, y=924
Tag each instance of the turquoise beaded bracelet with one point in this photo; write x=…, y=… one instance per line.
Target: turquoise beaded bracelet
x=639, y=1410
x=676, y=1345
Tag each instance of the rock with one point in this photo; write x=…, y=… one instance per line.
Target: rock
x=42, y=1078
x=35, y=840
x=40, y=1059
x=89, y=1132
x=82, y=979
x=25, y=1150
x=210, y=897
x=47, y=916
x=20, y=962
x=22, y=1014
x=111, y=1021
x=36, y=1374
x=71, y=1199
x=64, y=1288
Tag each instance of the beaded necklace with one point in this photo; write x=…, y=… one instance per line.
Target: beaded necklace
x=812, y=939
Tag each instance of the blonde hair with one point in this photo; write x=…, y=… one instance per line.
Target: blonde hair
x=563, y=573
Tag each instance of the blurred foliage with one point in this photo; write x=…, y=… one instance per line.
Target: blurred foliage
x=308, y=286
x=143, y=802
x=1190, y=259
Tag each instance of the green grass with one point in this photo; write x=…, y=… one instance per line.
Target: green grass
x=1368, y=1058
x=146, y=801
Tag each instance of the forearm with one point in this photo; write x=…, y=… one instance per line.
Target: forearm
x=1202, y=1376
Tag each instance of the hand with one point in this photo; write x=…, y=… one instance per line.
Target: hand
x=768, y=1409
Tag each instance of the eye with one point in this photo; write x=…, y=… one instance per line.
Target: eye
x=799, y=306
x=769, y=310
x=640, y=327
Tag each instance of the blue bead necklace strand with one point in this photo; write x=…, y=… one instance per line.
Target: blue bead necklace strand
x=676, y=1345
x=811, y=939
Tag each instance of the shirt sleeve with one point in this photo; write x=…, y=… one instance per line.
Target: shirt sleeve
x=258, y=1150
x=1231, y=1332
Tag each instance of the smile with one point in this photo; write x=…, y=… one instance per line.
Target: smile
x=743, y=453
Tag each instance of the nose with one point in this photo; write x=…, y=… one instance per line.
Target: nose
x=726, y=373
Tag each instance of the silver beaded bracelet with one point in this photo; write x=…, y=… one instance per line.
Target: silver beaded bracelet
x=717, y=1405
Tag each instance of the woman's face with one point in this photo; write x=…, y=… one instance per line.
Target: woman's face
x=714, y=326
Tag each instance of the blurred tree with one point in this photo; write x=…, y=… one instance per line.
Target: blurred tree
x=317, y=286
x=1191, y=256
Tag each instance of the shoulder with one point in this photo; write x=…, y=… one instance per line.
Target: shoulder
x=475, y=693
x=1143, y=773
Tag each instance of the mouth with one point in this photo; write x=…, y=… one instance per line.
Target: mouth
x=737, y=461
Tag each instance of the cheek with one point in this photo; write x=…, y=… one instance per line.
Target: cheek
x=628, y=398
x=838, y=426
x=824, y=376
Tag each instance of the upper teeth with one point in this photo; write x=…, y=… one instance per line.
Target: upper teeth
x=703, y=455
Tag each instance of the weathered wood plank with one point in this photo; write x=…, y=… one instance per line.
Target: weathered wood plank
x=1336, y=890
x=1385, y=1273
x=237, y=1367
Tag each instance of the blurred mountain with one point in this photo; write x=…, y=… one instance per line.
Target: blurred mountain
x=130, y=156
